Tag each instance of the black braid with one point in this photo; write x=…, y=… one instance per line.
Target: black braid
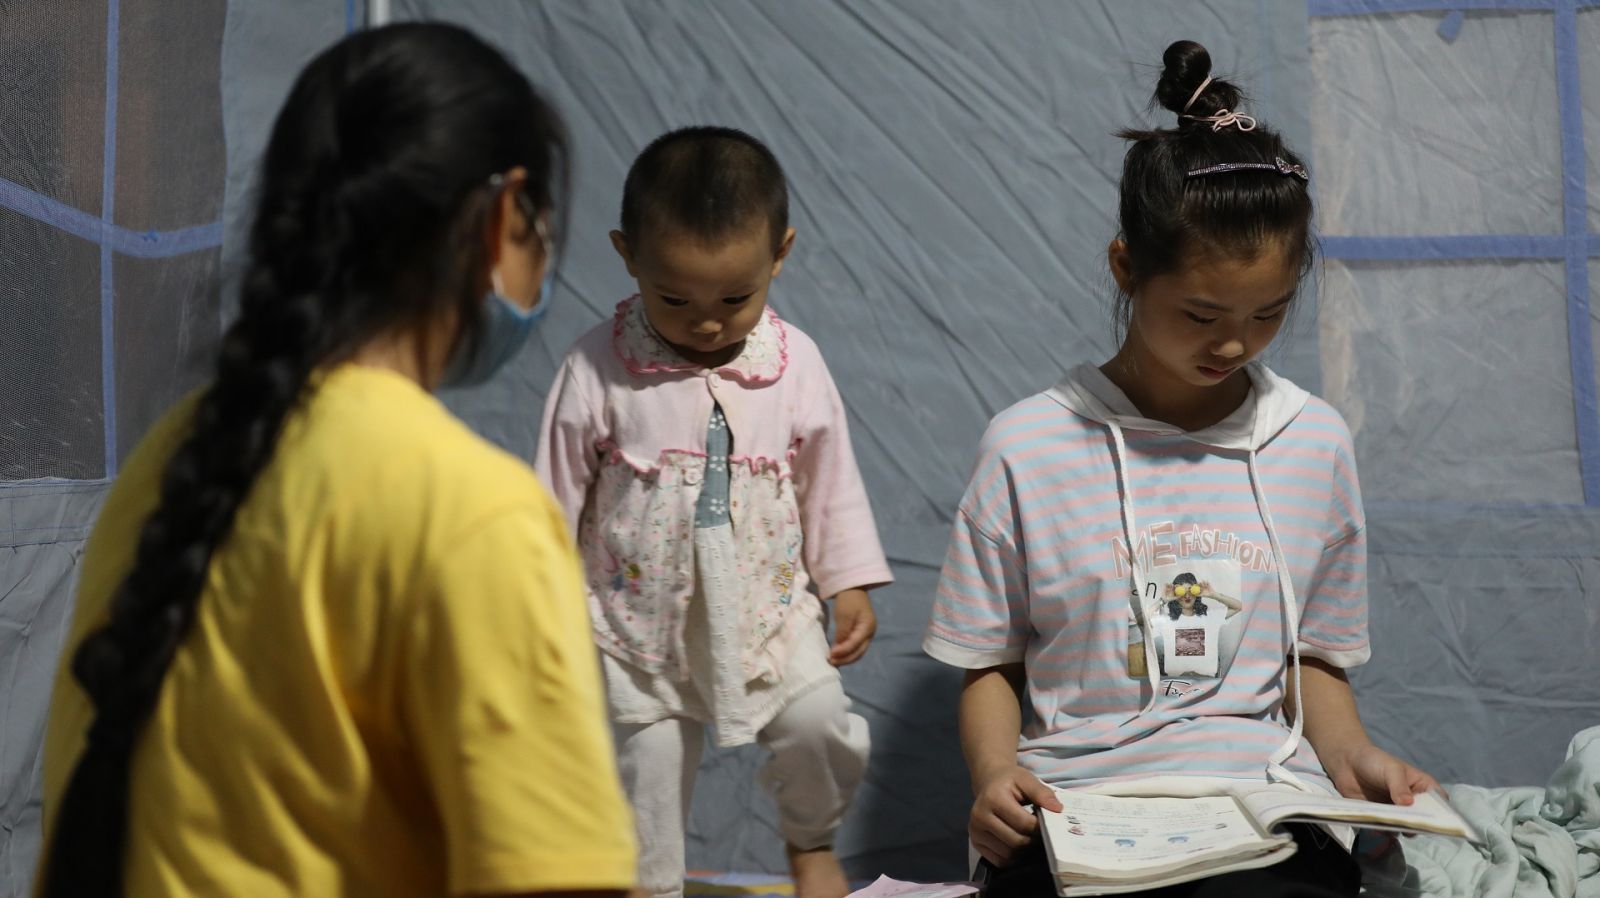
x=267, y=357
x=371, y=216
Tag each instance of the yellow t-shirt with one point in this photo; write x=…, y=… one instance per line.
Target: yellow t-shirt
x=390, y=687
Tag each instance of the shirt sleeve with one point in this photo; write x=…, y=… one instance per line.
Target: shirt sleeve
x=842, y=550
x=566, y=459
x=980, y=613
x=1333, y=622
x=502, y=700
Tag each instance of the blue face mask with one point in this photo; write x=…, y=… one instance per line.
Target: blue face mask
x=506, y=327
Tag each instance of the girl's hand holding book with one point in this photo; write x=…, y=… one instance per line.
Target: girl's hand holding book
x=1003, y=821
x=1368, y=772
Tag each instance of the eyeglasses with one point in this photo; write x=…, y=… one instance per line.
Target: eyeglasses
x=545, y=242
x=524, y=202
x=1186, y=589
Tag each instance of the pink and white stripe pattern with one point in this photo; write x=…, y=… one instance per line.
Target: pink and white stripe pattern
x=1037, y=573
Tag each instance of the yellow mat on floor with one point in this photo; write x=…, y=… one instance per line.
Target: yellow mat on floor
x=744, y=885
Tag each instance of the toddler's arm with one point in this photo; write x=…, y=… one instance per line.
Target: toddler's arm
x=567, y=458
x=854, y=625
x=841, y=541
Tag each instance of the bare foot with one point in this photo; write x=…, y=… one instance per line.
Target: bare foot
x=817, y=873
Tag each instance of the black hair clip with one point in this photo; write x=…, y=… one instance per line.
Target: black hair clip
x=1278, y=164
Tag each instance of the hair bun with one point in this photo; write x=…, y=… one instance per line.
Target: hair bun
x=1185, y=66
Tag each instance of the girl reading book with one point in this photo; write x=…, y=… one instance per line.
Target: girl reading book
x=1182, y=449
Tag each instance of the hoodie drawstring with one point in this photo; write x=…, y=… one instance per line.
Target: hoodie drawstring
x=1275, y=762
x=1136, y=578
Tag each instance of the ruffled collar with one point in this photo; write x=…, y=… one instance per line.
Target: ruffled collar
x=762, y=360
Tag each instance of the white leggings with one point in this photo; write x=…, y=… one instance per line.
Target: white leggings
x=819, y=753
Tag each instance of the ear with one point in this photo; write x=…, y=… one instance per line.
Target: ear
x=783, y=251
x=619, y=242
x=1121, y=263
x=494, y=223
x=507, y=227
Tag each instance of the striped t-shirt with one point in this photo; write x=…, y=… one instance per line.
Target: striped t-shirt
x=1038, y=572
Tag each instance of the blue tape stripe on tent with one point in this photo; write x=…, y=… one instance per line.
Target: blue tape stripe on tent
x=108, y=195
x=139, y=244
x=1575, y=199
x=1329, y=8
x=1450, y=26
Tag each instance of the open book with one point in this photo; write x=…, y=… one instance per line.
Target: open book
x=1106, y=844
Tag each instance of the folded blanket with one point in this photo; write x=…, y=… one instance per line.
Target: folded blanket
x=1540, y=842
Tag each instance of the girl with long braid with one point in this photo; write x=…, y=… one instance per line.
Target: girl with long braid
x=327, y=641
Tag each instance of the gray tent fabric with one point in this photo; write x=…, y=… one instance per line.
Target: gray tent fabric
x=111, y=176
x=41, y=540
x=953, y=177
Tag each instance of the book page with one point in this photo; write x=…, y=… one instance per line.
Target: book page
x=1430, y=813
x=1070, y=888
x=884, y=887
x=1101, y=835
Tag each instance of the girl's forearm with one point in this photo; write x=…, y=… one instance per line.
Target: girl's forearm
x=1332, y=723
x=991, y=719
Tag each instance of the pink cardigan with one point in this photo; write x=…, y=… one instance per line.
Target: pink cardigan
x=623, y=448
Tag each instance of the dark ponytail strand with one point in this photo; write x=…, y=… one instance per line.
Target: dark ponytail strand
x=372, y=209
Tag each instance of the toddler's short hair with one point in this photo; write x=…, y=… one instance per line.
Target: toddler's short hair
x=707, y=183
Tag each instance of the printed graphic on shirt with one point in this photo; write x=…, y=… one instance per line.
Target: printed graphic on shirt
x=1193, y=613
x=1163, y=544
